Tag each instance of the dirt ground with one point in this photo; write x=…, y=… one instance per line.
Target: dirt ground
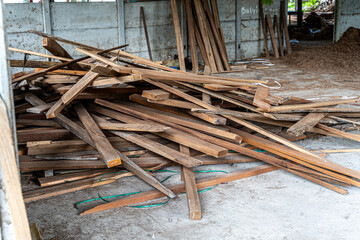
x=276, y=205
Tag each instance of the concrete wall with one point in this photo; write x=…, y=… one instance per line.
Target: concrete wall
x=347, y=15
x=107, y=24
x=251, y=43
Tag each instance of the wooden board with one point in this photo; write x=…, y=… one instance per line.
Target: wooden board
x=177, y=28
x=306, y=124
x=204, y=183
x=156, y=94
x=11, y=180
x=55, y=49
x=108, y=153
x=192, y=194
x=272, y=35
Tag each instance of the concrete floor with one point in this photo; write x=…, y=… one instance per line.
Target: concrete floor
x=276, y=205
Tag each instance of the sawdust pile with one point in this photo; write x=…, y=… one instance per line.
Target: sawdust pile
x=342, y=57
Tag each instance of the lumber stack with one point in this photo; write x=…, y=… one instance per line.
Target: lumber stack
x=113, y=111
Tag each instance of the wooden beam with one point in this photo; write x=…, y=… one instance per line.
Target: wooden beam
x=142, y=14
x=204, y=183
x=177, y=28
x=155, y=94
x=171, y=134
x=204, y=33
x=10, y=178
x=54, y=48
x=272, y=35
x=191, y=35
x=192, y=194
x=108, y=153
x=306, y=124
x=312, y=105
x=68, y=187
x=263, y=27
x=277, y=27
x=159, y=149
x=286, y=29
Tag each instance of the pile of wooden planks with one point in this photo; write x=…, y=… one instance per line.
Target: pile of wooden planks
x=204, y=31
x=87, y=119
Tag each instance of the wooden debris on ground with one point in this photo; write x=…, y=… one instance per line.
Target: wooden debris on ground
x=127, y=114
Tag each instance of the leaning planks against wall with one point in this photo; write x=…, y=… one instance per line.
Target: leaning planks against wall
x=203, y=26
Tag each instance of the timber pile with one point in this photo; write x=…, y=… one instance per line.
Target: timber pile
x=112, y=110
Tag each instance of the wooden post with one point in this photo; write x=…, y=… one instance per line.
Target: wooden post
x=179, y=41
x=286, y=30
x=272, y=35
x=13, y=219
x=299, y=13
x=142, y=13
x=263, y=27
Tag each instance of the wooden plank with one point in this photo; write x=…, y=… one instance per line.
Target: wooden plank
x=215, y=12
x=312, y=105
x=261, y=94
x=155, y=94
x=39, y=54
x=131, y=127
x=203, y=183
x=40, y=135
x=56, y=190
x=64, y=178
x=160, y=149
x=263, y=27
x=304, y=156
x=220, y=96
x=42, y=165
x=277, y=27
x=177, y=28
x=175, y=103
x=41, y=73
x=32, y=64
x=209, y=117
x=216, y=35
x=142, y=14
x=11, y=180
x=269, y=159
x=355, y=137
x=204, y=33
x=54, y=48
x=39, y=123
x=201, y=46
x=191, y=36
x=191, y=190
x=163, y=117
x=108, y=153
x=286, y=30
x=171, y=134
x=272, y=35
x=143, y=101
x=306, y=124
x=40, y=108
x=219, y=87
